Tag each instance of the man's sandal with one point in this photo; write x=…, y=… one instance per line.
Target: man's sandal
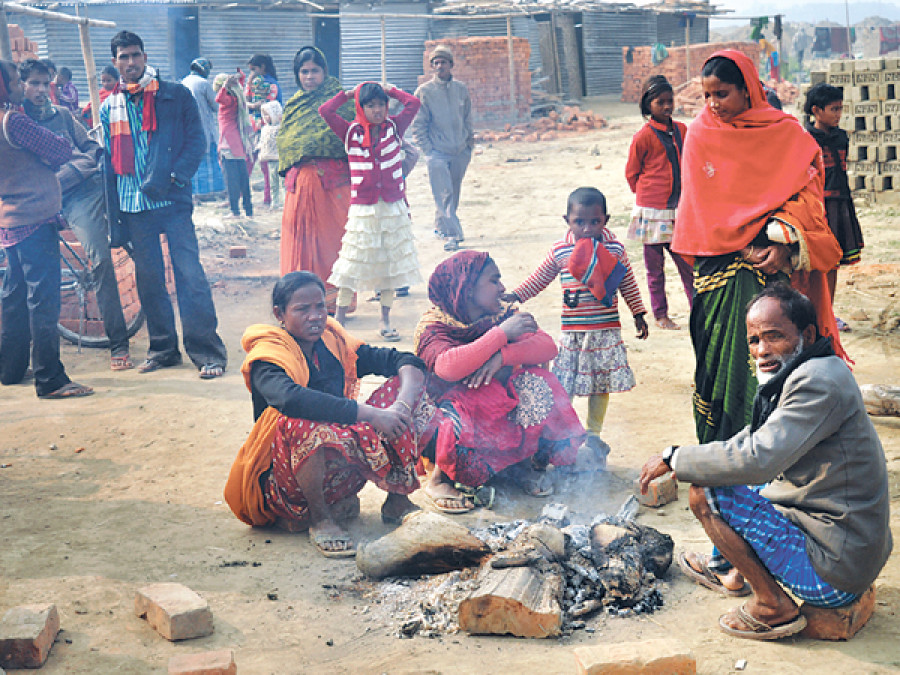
x=320, y=539
x=120, y=362
x=759, y=630
x=706, y=577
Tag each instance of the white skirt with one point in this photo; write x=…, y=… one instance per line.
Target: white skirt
x=378, y=251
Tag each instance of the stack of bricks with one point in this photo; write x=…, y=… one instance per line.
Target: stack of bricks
x=482, y=64
x=22, y=47
x=637, y=64
x=872, y=119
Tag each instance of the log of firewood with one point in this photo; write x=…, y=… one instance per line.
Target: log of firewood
x=520, y=601
x=425, y=543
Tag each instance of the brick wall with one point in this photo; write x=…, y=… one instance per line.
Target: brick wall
x=22, y=47
x=872, y=119
x=674, y=67
x=482, y=64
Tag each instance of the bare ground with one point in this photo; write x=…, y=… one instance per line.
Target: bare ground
x=99, y=496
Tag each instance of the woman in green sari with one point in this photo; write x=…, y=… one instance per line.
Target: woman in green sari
x=317, y=178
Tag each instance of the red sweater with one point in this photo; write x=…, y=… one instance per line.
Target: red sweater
x=376, y=172
x=654, y=165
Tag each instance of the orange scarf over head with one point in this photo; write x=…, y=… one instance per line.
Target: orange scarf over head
x=275, y=345
x=735, y=173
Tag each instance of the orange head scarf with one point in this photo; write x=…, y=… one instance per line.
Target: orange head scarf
x=362, y=121
x=734, y=173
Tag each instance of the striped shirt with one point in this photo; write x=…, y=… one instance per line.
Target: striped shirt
x=588, y=314
x=376, y=172
x=131, y=199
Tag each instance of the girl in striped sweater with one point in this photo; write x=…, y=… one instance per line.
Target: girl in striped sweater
x=378, y=251
x=592, y=361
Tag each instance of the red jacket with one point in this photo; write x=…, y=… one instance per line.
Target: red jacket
x=654, y=165
x=375, y=172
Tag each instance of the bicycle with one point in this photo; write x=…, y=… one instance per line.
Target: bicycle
x=79, y=317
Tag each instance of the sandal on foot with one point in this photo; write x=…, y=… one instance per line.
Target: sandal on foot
x=70, y=390
x=211, y=371
x=390, y=334
x=707, y=578
x=154, y=363
x=451, y=505
x=319, y=539
x=759, y=630
x=534, y=483
x=451, y=245
x=122, y=362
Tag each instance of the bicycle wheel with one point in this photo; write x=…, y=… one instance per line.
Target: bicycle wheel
x=79, y=317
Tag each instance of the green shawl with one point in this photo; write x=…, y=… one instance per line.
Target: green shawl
x=304, y=134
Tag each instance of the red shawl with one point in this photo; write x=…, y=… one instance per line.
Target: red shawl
x=446, y=325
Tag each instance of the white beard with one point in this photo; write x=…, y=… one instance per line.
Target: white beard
x=765, y=377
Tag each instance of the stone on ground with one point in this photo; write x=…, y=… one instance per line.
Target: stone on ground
x=26, y=634
x=648, y=657
x=220, y=662
x=174, y=610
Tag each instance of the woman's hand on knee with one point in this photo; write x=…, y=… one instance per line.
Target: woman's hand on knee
x=388, y=421
x=485, y=373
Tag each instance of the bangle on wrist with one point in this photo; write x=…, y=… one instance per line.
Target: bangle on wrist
x=405, y=405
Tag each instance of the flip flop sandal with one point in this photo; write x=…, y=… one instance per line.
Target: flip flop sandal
x=390, y=335
x=759, y=630
x=461, y=501
x=211, y=371
x=481, y=496
x=122, y=362
x=70, y=390
x=708, y=579
x=318, y=540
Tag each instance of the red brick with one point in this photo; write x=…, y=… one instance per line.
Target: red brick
x=26, y=634
x=660, y=492
x=175, y=611
x=841, y=623
x=220, y=662
x=237, y=252
x=648, y=657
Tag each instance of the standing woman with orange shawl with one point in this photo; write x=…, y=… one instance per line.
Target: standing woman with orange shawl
x=751, y=214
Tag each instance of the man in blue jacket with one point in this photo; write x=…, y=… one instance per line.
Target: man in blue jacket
x=155, y=140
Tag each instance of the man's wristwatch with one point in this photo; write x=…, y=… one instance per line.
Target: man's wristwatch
x=668, y=454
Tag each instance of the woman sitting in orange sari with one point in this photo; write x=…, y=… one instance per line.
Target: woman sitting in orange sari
x=313, y=447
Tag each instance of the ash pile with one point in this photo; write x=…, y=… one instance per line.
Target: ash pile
x=536, y=579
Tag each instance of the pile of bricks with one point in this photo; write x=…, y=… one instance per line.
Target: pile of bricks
x=482, y=64
x=872, y=119
x=572, y=120
x=22, y=47
x=637, y=64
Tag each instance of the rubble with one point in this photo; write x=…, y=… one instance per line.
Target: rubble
x=568, y=121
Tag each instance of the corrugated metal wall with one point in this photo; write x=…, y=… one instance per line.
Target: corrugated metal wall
x=229, y=38
x=603, y=36
x=670, y=30
x=60, y=42
x=361, y=44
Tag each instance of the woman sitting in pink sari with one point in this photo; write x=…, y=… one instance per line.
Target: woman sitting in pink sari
x=502, y=412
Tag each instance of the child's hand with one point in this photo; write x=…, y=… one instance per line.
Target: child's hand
x=388, y=88
x=519, y=324
x=642, y=329
x=510, y=297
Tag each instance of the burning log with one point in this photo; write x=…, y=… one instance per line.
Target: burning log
x=520, y=601
x=426, y=543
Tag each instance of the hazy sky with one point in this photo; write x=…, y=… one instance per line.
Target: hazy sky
x=813, y=10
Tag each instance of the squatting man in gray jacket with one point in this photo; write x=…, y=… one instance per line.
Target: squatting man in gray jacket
x=817, y=521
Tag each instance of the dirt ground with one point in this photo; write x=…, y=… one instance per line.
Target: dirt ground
x=100, y=496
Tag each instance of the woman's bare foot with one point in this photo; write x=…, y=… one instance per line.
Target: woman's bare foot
x=666, y=323
x=395, y=508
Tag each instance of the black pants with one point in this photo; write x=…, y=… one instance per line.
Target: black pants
x=30, y=312
x=237, y=179
x=195, y=304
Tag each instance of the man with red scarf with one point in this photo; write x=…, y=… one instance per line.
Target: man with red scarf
x=155, y=141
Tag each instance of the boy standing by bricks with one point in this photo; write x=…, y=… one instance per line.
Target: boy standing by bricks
x=443, y=131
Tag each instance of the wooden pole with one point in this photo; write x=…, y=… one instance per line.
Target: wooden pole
x=90, y=70
x=573, y=59
x=54, y=16
x=557, y=74
x=383, y=50
x=687, y=49
x=5, y=44
x=513, y=116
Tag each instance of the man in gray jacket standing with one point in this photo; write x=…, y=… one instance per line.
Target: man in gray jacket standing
x=443, y=131
x=817, y=523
